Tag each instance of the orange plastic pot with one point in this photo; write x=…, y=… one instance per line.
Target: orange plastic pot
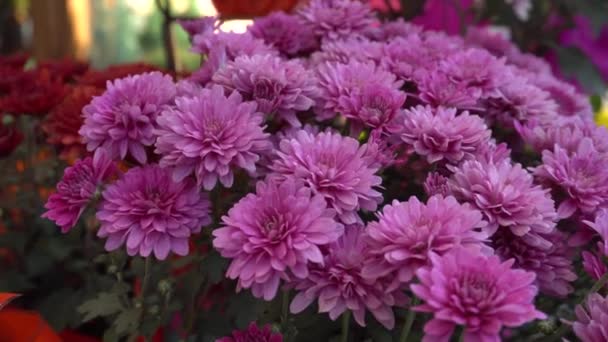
x=243, y=9
x=25, y=326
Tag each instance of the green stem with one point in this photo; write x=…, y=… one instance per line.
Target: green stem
x=565, y=328
x=144, y=282
x=409, y=321
x=285, y=306
x=345, y=326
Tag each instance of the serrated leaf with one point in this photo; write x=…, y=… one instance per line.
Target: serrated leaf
x=105, y=304
x=126, y=322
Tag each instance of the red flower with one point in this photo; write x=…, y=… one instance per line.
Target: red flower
x=98, y=78
x=65, y=69
x=10, y=138
x=33, y=92
x=64, y=121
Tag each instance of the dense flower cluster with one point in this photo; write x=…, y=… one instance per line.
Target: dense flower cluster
x=481, y=168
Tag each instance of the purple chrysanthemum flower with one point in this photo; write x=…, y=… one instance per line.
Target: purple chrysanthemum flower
x=508, y=198
x=253, y=334
x=594, y=264
x=592, y=319
x=333, y=166
x=211, y=135
x=338, y=81
x=569, y=101
x=344, y=51
x=274, y=234
x=285, y=32
x=495, y=42
x=407, y=232
x=278, y=87
x=478, y=292
x=123, y=118
x=580, y=177
x=600, y=226
x=151, y=213
x=476, y=69
x=76, y=189
x=438, y=133
x=373, y=106
x=234, y=44
x=202, y=25
x=337, y=19
x=187, y=88
x=436, y=184
x=436, y=89
x=553, y=267
x=410, y=58
x=392, y=29
x=338, y=284
x=518, y=100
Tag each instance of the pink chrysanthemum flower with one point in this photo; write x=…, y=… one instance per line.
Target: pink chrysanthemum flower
x=76, y=189
x=334, y=166
x=373, y=106
x=123, y=118
x=553, y=267
x=253, y=334
x=476, y=69
x=518, y=100
x=592, y=319
x=392, y=29
x=580, y=176
x=436, y=89
x=438, y=133
x=280, y=88
x=338, y=284
x=274, y=234
x=508, y=198
x=436, y=184
x=344, y=51
x=338, y=81
x=286, y=33
x=600, y=226
x=211, y=135
x=337, y=19
x=594, y=264
x=406, y=232
x=478, y=292
x=569, y=101
x=151, y=213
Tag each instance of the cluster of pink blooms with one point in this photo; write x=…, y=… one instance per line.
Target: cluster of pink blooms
x=318, y=112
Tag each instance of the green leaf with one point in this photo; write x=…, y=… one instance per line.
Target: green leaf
x=105, y=304
x=596, y=102
x=127, y=321
x=214, y=267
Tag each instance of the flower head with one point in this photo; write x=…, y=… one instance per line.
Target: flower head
x=285, y=32
x=210, y=135
x=600, y=226
x=333, y=166
x=253, y=334
x=343, y=81
x=338, y=284
x=580, y=176
x=508, y=198
x=346, y=50
x=33, y=92
x=278, y=87
x=76, y=189
x=438, y=133
x=407, y=232
x=274, y=234
x=123, y=118
x=478, y=292
x=592, y=319
x=64, y=121
x=594, y=264
x=336, y=19
x=151, y=213
x=373, y=106
x=553, y=266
